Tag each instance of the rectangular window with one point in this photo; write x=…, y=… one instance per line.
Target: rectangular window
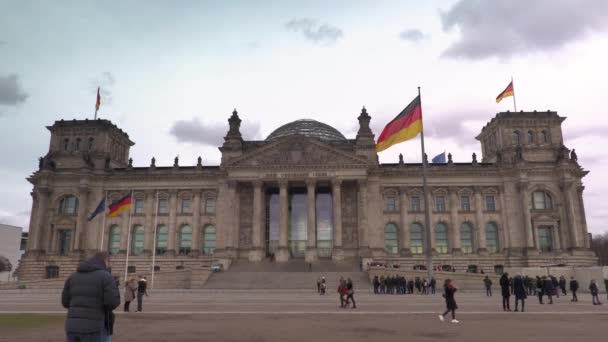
x=490, y=203
x=545, y=239
x=415, y=203
x=391, y=203
x=210, y=206
x=185, y=205
x=65, y=240
x=465, y=203
x=139, y=206
x=439, y=203
x=163, y=206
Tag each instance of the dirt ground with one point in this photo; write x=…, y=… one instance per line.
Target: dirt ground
x=351, y=327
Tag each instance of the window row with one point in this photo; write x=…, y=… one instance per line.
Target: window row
x=390, y=203
x=185, y=245
x=441, y=238
x=78, y=144
x=184, y=206
x=532, y=137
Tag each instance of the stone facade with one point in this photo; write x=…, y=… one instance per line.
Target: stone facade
x=308, y=192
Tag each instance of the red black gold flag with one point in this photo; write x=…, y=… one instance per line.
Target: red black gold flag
x=404, y=127
x=98, y=102
x=506, y=93
x=119, y=206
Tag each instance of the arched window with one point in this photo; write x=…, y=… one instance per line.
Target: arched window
x=185, y=240
x=91, y=141
x=77, y=145
x=466, y=238
x=544, y=138
x=68, y=205
x=209, y=240
x=162, y=235
x=516, y=138
x=137, y=240
x=530, y=137
x=441, y=238
x=114, y=240
x=66, y=144
x=492, y=237
x=390, y=239
x=416, y=238
x=541, y=200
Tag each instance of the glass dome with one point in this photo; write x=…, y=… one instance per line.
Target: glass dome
x=308, y=128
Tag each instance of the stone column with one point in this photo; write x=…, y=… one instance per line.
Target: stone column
x=454, y=224
x=505, y=226
x=78, y=242
x=481, y=229
x=32, y=226
x=124, y=232
x=576, y=241
x=404, y=232
x=363, y=221
x=283, y=252
x=149, y=212
x=41, y=230
x=527, y=224
x=336, y=194
x=222, y=216
x=582, y=215
x=556, y=241
x=196, y=223
x=256, y=253
x=311, y=243
x=171, y=243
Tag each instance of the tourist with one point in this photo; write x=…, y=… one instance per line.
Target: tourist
x=520, y=292
x=573, y=289
x=410, y=286
x=540, y=289
x=424, y=286
x=142, y=289
x=323, y=286
x=350, y=292
x=506, y=292
x=341, y=286
x=90, y=294
x=548, y=288
x=450, y=302
x=606, y=287
x=382, y=285
x=562, y=285
x=319, y=285
x=594, y=293
x=555, y=284
x=432, y=284
x=130, y=288
x=418, y=284
x=488, y=284
x=529, y=285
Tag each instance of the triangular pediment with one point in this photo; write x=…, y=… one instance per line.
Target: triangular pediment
x=298, y=150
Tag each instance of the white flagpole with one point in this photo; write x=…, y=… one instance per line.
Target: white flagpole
x=103, y=222
x=154, y=240
x=427, y=204
x=128, y=239
x=514, y=103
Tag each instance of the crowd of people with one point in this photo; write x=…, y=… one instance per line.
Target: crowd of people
x=398, y=284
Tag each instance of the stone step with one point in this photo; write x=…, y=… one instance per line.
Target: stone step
x=283, y=280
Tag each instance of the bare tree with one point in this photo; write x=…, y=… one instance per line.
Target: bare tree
x=599, y=244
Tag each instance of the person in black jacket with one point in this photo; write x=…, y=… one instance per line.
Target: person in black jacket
x=573, y=289
x=520, y=292
x=539, y=289
x=142, y=289
x=548, y=288
x=450, y=302
x=90, y=294
x=506, y=292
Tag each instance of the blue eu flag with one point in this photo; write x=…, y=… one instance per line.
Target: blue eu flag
x=100, y=209
x=440, y=158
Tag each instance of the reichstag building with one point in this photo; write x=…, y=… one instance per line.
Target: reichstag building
x=308, y=192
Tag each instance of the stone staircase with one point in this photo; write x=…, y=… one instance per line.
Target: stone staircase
x=294, y=274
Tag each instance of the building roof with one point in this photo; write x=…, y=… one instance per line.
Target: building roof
x=309, y=128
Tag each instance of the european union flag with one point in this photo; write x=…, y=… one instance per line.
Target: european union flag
x=100, y=209
x=440, y=158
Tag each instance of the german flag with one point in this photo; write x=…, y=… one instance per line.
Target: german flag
x=404, y=127
x=506, y=93
x=119, y=206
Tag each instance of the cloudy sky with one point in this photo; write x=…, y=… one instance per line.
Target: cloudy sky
x=171, y=73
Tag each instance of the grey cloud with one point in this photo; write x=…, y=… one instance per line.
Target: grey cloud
x=212, y=134
x=105, y=81
x=314, y=31
x=504, y=28
x=11, y=92
x=412, y=35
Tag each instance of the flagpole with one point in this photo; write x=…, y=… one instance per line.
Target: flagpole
x=154, y=241
x=128, y=239
x=514, y=103
x=103, y=222
x=427, y=202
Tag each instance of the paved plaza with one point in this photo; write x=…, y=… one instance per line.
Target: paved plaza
x=205, y=315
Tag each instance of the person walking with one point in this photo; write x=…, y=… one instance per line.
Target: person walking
x=562, y=285
x=450, y=301
x=519, y=290
x=506, y=292
x=341, y=287
x=142, y=289
x=433, y=284
x=539, y=289
x=130, y=288
x=548, y=288
x=573, y=289
x=323, y=286
x=90, y=294
x=594, y=293
x=350, y=292
x=488, y=284
x=555, y=284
